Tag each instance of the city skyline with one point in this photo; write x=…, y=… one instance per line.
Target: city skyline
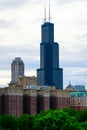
x=20, y=35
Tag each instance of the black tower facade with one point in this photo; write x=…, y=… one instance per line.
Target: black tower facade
x=49, y=73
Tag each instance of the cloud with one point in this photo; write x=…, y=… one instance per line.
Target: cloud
x=4, y=23
x=4, y=4
x=5, y=76
x=77, y=75
x=71, y=20
x=20, y=35
x=64, y=2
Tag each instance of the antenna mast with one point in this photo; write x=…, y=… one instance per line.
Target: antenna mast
x=45, y=14
x=49, y=11
x=45, y=17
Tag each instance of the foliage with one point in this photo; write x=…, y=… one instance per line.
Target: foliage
x=8, y=122
x=83, y=116
x=84, y=125
x=57, y=120
x=72, y=112
x=25, y=122
x=3, y=128
x=65, y=119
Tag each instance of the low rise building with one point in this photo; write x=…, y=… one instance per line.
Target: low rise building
x=59, y=99
x=17, y=100
x=30, y=101
x=43, y=100
x=78, y=100
x=27, y=80
x=11, y=101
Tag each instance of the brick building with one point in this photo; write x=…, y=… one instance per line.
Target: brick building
x=11, y=101
x=18, y=100
x=78, y=100
x=43, y=100
x=30, y=101
x=59, y=99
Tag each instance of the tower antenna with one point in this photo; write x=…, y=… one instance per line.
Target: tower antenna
x=45, y=13
x=49, y=11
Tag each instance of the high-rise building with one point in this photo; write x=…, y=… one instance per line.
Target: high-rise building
x=17, y=69
x=49, y=72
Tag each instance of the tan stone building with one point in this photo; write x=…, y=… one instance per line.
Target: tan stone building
x=27, y=80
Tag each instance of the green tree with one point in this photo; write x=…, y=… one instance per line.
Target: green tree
x=71, y=124
x=65, y=119
x=25, y=122
x=56, y=120
x=83, y=116
x=84, y=125
x=2, y=128
x=72, y=112
x=8, y=122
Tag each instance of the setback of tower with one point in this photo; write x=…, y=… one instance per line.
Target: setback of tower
x=49, y=72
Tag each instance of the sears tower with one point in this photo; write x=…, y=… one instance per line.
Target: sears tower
x=49, y=73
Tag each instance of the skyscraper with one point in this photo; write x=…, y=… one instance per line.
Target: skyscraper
x=17, y=69
x=49, y=72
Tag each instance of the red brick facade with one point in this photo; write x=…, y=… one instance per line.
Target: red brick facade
x=18, y=101
x=13, y=104
x=43, y=100
x=30, y=102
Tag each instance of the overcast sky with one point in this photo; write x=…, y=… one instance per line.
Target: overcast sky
x=20, y=36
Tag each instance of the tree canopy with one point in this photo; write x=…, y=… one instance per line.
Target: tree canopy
x=66, y=119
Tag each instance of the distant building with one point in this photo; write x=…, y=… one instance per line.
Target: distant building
x=49, y=73
x=75, y=87
x=27, y=80
x=79, y=87
x=78, y=100
x=69, y=87
x=17, y=69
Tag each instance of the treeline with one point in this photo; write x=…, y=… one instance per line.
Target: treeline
x=66, y=119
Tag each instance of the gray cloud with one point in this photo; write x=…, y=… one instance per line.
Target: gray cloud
x=11, y=3
x=5, y=24
x=62, y=2
x=76, y=75
x=20, y=36
x=83, y=37
x=65, y=1
x=75, y=57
